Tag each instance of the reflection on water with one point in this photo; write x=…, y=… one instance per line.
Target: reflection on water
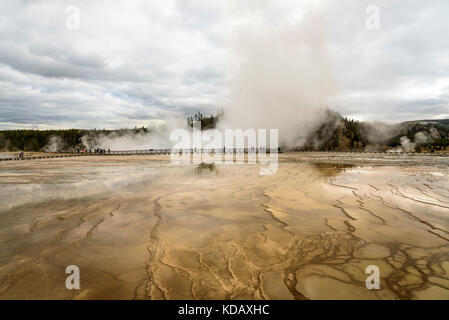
x=152, y=230
x=205, y=167
x=332, y=169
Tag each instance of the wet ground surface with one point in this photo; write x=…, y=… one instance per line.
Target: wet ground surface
x=141, y=227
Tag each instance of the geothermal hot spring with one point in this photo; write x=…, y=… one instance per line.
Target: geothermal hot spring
x=141, y=227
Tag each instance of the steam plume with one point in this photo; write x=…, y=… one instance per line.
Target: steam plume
x=282, y=76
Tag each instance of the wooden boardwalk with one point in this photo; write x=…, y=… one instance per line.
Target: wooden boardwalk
x=199, y=151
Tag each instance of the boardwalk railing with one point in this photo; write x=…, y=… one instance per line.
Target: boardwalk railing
x=191, y=151
x=65, y=155
x=201, y=151
x=142, y=152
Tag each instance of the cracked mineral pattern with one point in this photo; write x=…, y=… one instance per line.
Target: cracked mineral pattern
x=143, y=228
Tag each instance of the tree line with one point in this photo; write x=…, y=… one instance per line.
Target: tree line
x=335, y=133
x=209, y=122
x=70, y=139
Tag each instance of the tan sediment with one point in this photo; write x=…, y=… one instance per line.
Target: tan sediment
x=141, y=228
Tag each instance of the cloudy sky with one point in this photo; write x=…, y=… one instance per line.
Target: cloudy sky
x=139, y=63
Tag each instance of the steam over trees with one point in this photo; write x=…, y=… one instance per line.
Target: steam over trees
x=206, y=122
x=70, y=139
x=334, y=133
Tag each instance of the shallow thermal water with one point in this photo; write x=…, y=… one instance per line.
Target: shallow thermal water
x=139, y=227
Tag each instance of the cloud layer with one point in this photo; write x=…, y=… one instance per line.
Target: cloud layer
x=143, y=62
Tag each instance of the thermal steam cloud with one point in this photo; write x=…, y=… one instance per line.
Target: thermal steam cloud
x=156, y=137
x=282, y=75
x=420, y=139
x=55, y=144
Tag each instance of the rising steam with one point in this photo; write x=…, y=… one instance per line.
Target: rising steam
x=281, y=72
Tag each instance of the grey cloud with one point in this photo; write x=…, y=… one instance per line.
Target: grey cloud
x=133, y=61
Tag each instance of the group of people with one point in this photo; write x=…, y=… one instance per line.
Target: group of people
x=21, y=156
x=95, y=151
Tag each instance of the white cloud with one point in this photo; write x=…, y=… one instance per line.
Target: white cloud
x=136, y=62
